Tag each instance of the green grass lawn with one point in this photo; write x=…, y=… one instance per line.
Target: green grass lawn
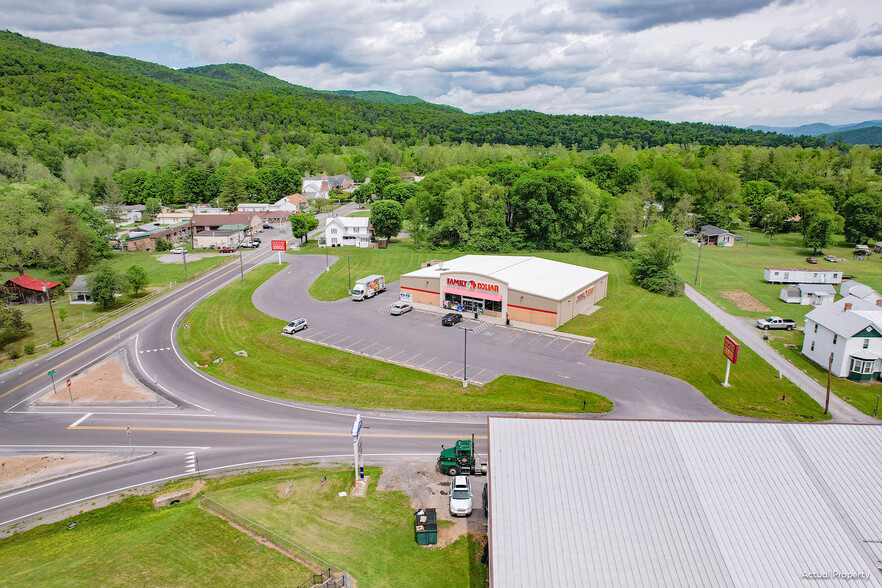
x=862, y=396
x=297, y=370
x=372, y=538
x=741, y=268
x=131, y=544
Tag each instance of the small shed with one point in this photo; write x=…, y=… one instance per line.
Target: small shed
x=711, y=235
x=27, y=290
x=78, y=293
x=791, y=295
x=816, y=294
x=878, y=247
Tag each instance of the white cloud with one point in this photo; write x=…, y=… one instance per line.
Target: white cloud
x=724, y=61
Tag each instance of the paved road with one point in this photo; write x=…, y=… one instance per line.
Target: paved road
x=841, y=411
x=228, y=427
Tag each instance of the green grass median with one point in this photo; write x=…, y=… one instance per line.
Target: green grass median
x=298, y=370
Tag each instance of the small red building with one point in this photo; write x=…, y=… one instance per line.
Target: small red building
x=27, y=290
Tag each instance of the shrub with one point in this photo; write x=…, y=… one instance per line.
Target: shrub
x=164, y=245
x=29, y=348
x=14, y=352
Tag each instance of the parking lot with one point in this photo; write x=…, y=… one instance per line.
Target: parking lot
x=437, y=360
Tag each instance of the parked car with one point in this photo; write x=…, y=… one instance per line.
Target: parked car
x=689, y=233
x=178, y=250
x=400, y=308
x=832, y=258
x=267, y=226
x=460, y=497
x=451, y=319
x=256, y=240
x=811, y=260
x=227, y=249
x=294, y=326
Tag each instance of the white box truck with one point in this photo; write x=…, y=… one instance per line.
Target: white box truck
x=368, y=287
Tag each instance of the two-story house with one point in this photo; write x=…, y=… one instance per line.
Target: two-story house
x=850, y=332
x=347, y=231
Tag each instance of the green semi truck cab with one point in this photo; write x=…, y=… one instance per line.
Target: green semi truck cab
x=461, y=459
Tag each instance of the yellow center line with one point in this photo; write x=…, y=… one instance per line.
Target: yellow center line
x=249, y=432
x=139, y=321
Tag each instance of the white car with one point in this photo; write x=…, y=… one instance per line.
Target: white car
x=294, y=326
x=460, y=497
x=178, y=250
x=400, y=308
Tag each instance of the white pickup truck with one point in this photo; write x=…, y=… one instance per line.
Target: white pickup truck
x=775, y=322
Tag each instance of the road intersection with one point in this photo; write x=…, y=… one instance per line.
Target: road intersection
x=211, y=426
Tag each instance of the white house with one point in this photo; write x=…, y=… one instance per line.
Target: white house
x=859, y=290
x=849, y=331
x=128, y=213
x=791, y=275
x=814, y=294
x=347, y=231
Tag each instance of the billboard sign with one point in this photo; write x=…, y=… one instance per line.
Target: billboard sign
x=730, y=349
x=279, y=245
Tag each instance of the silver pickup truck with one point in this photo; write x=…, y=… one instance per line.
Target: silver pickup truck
x=775, y=322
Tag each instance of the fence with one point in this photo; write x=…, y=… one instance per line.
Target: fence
x=325, y=574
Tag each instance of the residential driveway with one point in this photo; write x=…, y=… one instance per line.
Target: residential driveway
x=841, y=411
x=418, y=340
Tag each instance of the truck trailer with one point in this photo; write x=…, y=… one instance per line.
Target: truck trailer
x=368, y=287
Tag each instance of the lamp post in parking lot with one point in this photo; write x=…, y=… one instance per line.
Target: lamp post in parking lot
x=465, y=352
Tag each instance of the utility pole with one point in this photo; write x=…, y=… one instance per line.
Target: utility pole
x=465, y=353
x=698, y=266
x=185, y=267
x=349, y=274
x=52, y=311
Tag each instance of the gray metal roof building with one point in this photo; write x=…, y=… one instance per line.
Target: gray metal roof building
x=638, y=503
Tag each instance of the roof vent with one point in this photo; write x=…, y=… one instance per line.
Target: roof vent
x=879, y=302
x=847, y=306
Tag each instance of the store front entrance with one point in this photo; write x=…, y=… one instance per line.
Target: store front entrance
x=472, y=305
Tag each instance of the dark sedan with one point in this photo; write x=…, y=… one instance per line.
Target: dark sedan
x=451, y=319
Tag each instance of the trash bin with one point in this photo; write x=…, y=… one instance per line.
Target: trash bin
x=425, y=525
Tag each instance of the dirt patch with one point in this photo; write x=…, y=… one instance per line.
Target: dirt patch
x=428, y=488
x=17, y=471
x=744, y=301
x=107, y=382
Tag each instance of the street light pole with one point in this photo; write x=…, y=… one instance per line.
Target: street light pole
x=241, y=271
x=877, y=405
x=698, y=266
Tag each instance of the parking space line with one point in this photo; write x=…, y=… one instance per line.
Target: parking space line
x=363, y=349
x=433, y=359
x=412, y=358
x=340, y=342
x=568, y=344
x=550, y=342
x=381, y=350
x=443, y=366
x=391, y=356
x=475, y=377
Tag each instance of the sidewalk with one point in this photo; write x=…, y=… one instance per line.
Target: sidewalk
x=841, y=411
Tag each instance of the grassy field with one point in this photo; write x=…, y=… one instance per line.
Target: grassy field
x=131, y=544
x=862, y=396
x=372, y=538
x=297, y=370
x=675, y=337
x=741, y=268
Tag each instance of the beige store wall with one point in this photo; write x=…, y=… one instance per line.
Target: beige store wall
x=529, y=308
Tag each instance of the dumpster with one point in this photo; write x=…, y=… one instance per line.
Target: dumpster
x=425, y=526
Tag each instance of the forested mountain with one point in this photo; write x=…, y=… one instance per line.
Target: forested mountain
x=868, y=132
x=78, y=129
x=861, y=136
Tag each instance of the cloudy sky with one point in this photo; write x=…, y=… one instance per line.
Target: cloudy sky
x=739, y=62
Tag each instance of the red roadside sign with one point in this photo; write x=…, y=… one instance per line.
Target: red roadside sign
x=128, y=430
x=730, y=349
x=68, y=383
x=279, y=245
x=187, y=326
